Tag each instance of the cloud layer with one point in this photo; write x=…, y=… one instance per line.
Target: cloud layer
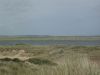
x=49, y=17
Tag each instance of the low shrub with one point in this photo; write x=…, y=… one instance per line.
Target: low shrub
x=9, y=59
x=39, y=61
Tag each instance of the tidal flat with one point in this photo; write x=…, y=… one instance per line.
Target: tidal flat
x=50, y=40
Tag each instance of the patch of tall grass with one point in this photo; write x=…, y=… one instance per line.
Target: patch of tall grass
x=70, y=60
x=71, y=64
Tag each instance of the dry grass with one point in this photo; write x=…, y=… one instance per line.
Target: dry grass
x=41, y=60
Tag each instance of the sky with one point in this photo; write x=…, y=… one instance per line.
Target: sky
x=50, y=17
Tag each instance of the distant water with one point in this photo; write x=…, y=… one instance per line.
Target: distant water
x=51, y=42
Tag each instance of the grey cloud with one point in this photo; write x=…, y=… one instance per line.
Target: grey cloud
x=58, y=17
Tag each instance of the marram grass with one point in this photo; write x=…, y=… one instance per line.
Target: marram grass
x=70, y=63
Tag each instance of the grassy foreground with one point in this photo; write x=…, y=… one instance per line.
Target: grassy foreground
x=49, y=60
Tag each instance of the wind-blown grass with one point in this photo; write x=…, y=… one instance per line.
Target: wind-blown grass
x=70, y=61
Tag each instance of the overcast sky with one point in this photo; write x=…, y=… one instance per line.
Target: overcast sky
x=49, y=17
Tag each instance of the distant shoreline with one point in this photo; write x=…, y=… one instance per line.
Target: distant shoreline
x=81, y=38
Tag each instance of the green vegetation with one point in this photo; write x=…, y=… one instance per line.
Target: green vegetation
x=41, y=61
x=49, y=60
x=82, y=38
x=9, y=59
